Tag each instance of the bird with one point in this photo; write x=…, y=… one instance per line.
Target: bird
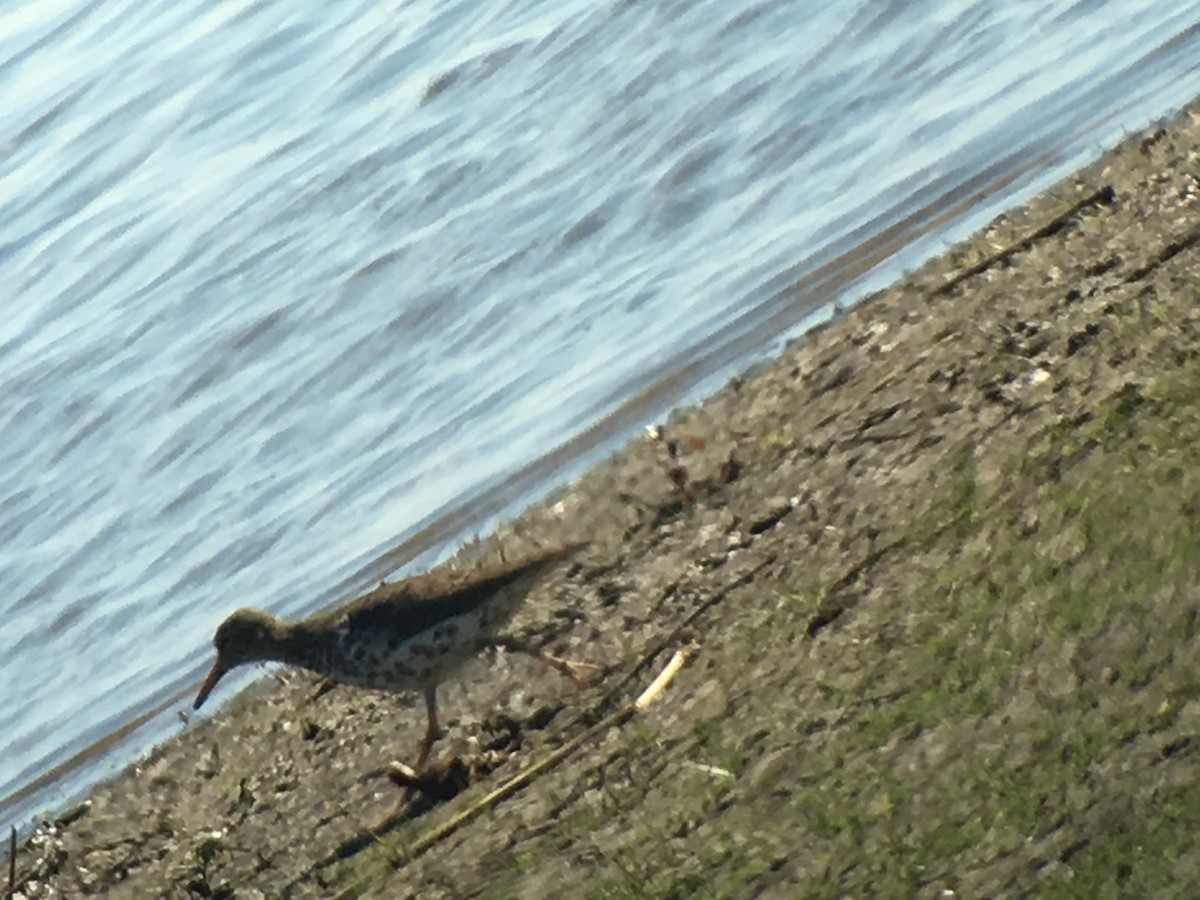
x=408, y=635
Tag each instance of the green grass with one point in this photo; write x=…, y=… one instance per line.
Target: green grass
x=1012, y=728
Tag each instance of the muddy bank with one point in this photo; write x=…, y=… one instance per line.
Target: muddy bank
x=946, y=602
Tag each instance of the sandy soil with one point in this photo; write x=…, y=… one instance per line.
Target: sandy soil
x=946, y=604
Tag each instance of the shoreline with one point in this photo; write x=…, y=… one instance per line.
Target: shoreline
x=881, y=679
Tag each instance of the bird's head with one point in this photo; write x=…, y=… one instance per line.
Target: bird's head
x=248, y=635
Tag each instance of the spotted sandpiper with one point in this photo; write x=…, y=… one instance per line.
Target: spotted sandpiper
x=404, y=636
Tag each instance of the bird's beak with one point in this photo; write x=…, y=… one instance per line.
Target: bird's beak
x=209, y=683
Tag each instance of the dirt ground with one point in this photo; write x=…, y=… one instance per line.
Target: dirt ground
x=946, y=605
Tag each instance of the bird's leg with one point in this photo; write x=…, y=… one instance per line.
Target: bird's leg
x=410, y=777
x=323, y=687
x=432, y=731
x=580, y=673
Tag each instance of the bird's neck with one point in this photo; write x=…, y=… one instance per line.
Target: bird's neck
x=298, y=644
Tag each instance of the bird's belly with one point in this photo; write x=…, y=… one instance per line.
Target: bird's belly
x=385, y=661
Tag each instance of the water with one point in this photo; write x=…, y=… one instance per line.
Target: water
x=298, y=293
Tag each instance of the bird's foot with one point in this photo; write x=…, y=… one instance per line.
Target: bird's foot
x=448, y=776
x=580, y=673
